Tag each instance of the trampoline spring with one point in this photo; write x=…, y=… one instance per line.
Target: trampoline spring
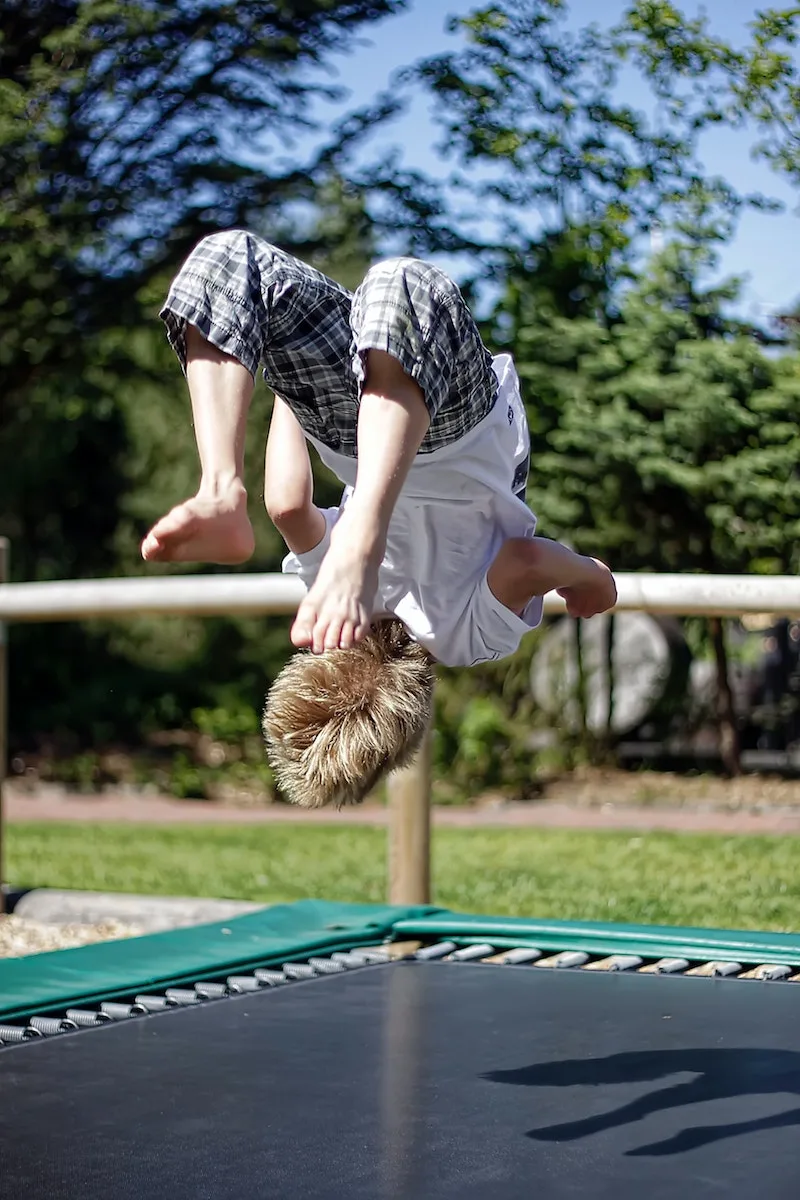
x=121, y=1012
x=768, y=972
x=85, y=1018
x=615, y=962
x=349, y=960
x=243, y=983
x=326, y=966
x=153, y=1004
x=296, y=971
x=667, y=966
x=716, y=969
x=270, y=978
x=211, y=991
x=359, y=958
x=470, y=953
x=371, y=954
x=565, y=960
x=625, y=962
x=10, y=1035
x=183, y=996
x=517, y=957
x=438, y=950
x=726, y=968
x=50, y=1026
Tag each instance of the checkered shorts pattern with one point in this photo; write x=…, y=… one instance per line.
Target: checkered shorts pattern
x=268, y=309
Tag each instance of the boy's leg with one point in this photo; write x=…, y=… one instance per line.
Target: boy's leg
x=213, y=526
x=238, y=303
x=529, y=567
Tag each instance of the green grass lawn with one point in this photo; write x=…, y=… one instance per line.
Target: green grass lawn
x=676, y=879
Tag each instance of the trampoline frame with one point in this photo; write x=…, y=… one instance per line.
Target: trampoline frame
x=60, y=991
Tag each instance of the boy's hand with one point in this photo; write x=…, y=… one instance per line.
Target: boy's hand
x=337, y=612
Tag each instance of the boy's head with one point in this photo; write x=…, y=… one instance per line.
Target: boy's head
x=335, y=723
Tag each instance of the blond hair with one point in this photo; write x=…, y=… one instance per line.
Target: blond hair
x=335, y=723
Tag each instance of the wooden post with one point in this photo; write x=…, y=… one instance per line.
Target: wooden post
x=3, y=714
x=409, y=795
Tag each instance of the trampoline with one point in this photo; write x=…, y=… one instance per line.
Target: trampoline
x=334, y=1051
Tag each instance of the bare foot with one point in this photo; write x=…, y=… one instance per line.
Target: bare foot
x=596, y=595
x=210, y=529
x=338, y=609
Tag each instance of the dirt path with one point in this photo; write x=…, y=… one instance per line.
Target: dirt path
x=51, y=805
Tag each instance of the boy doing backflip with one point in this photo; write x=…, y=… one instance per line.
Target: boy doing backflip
x=431, y=554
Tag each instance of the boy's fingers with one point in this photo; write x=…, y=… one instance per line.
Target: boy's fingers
x=346, y=635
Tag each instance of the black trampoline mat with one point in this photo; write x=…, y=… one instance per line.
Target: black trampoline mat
x=419, y=1080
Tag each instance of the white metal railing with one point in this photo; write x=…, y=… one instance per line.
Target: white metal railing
x=263, y=595
x=181, y=595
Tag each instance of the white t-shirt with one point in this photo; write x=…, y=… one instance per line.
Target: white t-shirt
x=457, y=507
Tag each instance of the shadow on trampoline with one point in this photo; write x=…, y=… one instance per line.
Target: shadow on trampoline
x=718, y=1075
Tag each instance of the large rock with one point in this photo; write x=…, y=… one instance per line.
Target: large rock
x=649, y=661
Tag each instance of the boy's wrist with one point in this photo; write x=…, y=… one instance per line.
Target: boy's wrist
x=362, y=526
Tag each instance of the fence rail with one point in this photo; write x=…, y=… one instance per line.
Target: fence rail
x=265, y=595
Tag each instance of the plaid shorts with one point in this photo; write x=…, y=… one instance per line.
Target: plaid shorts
x=310, y=336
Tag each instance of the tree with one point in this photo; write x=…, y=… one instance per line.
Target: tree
x=127, y=131
x=674, y=445
x=565, y=181
x=700, y=76
x=541, y=143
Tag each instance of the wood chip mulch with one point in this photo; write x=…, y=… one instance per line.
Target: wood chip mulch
x=19, y=936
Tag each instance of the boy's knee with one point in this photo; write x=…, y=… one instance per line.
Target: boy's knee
x=240, y=247
x=285, y=509
x=406, y=277
x=228, y=241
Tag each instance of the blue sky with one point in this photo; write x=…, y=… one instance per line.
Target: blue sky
x=765, y=247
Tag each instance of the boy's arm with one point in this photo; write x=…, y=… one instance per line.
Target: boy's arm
x=528, y=567
x=289, y=483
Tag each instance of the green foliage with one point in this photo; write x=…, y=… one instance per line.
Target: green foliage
x=116, y=155
x=474, y=740
x=701, y=76
x=529, y=112
x=676, y=442
x=127, y=131
x=664, y=437
x=233, y=723
x=484, y=721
